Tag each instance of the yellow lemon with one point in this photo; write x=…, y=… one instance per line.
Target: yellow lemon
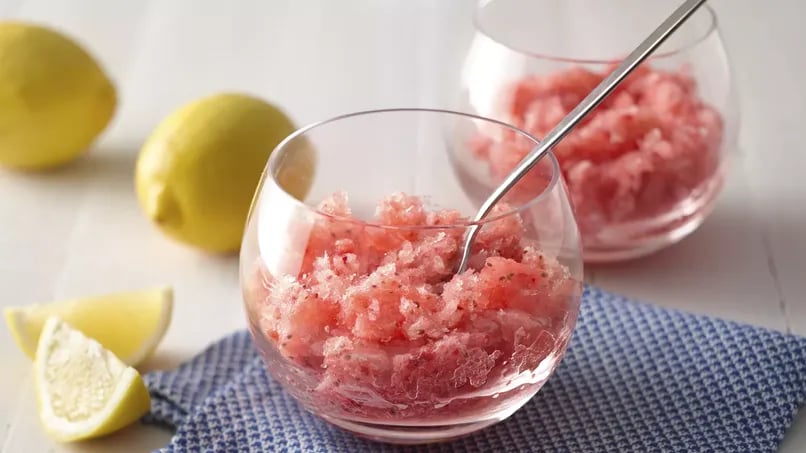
x=83, y=390
x=197, y=173
x=130, y=324
x=54, y=97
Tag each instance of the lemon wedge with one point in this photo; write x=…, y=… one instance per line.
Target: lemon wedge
x=129, y=324
x=83, y=390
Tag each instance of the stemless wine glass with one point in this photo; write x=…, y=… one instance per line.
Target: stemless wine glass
x=643, y=171
x=348, y=273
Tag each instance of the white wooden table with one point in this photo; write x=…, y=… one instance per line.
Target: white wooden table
x=79, y=231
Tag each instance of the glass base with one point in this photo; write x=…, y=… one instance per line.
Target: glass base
x=409, y=435
x=638, y=239
x=414, y=435
x=411, y=431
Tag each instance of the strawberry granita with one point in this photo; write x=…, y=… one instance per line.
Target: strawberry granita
x=649, y=148
x=376, y=325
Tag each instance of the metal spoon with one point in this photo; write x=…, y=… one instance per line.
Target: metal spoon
x=593, y=99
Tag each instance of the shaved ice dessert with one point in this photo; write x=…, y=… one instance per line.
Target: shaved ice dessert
x=376, y=326
x=648, y=153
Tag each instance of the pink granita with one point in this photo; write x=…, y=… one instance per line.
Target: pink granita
x=381, y=322
x=648, y=147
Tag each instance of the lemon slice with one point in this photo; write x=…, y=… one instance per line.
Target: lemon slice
x=82, y=389
x=129, y=324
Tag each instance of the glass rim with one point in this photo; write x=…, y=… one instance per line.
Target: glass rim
x=712, y=28
x=278, y=151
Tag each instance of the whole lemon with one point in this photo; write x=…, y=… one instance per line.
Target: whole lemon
x=54, y=97
x=197, y=173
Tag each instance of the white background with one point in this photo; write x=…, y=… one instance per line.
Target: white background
x=79, y=231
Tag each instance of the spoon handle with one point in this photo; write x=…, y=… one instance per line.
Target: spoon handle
x=591, y=101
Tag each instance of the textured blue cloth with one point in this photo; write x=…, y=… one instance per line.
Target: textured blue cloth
x=636, y=378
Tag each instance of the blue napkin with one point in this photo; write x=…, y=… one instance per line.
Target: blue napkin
x=636, y=378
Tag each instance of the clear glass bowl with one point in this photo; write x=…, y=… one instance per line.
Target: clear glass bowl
x=645, y=168
x=358, y=312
